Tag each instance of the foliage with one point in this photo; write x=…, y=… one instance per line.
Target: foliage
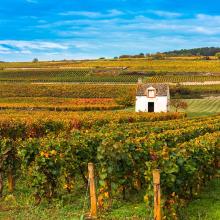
x=60, y=93
x=29, y=124
x=205, y=51
x=64, y=75
x=192, y=92
x=65, y=91
x=182, y=78
x=125, y=154
x=59, y=104
x=158, y=56
x=44, y=164
x=218, y=55
x=127, y=99
x=35, y=60
x=178, y=104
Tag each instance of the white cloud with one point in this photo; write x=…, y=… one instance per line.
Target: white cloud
x=139, y=25
x=4, y=50
x=109, y=22
x=33, y=45
x=114, y=13
x=166, y=14
x=32, y=1
x=92, y=14
x=206, y=17
x=81, y=13
x=204, y=30
x=96, y=34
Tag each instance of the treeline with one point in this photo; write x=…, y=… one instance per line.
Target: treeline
x=141, y=55
x=204, y=51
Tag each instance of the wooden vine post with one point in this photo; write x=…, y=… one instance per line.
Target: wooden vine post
x=93, y=200
x=10, y=181
x=157, y=208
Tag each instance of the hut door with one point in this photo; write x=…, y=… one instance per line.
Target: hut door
x=150, y=106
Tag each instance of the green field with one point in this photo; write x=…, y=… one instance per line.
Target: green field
x=203, y=107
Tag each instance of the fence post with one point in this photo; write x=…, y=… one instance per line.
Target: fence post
x=93, y=200
x=10, y=181
x=157, y=208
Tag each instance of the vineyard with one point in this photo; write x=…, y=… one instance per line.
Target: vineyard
x=71, y=120
x=125, y=150
x=59, y=104
x=92, y=75
x=57, y=117
x=68, y=75
x=15, y=91
x=158, y=66
x=196, y=107
x=179, y=79
x=64, y=91
x=124, y=71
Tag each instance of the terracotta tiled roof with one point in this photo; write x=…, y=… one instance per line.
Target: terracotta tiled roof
x=162, y=89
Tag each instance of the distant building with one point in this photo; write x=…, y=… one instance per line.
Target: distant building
x=152, y=97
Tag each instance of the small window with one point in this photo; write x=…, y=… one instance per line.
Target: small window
x=151, y=93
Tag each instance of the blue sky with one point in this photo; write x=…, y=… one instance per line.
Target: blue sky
x=78, y=29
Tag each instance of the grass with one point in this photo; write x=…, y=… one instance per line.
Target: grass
x=203, y=107
x=206, y=206
x=20, y=206
x=128, y=211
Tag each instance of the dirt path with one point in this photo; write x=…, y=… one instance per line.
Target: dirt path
x=201, y=83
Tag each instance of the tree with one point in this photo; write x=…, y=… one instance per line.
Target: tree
x=125, y=56
x=141, y=55
x=35, y=60
x=205, y=51
x=178, y=104
x=205, y=58
x=159, y=56
x=126, y=100
x=218, y=55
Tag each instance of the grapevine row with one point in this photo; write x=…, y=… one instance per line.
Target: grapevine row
x=124, y=158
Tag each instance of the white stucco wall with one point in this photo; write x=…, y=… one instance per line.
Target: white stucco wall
x=141, y=104
x=160, y=103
